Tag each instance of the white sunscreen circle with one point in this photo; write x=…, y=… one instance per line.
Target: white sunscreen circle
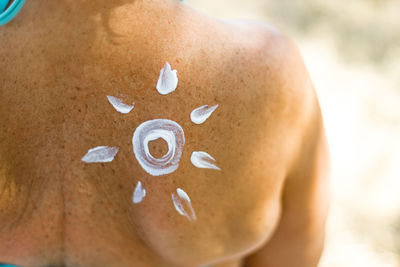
x=171, y=132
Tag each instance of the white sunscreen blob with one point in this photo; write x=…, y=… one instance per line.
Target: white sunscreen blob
x=203, y=160
x=201, y=114
x=151, y=130
x=119, y=105
x=139, y=193
x=183, y=205
x=100, y=154
x=167, y=81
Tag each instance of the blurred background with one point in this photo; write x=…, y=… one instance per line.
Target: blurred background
x=352, y=51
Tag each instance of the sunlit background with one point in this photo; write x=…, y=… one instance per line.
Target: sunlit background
x=352, y=51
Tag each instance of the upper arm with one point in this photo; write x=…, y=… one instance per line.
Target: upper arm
x=298, y=239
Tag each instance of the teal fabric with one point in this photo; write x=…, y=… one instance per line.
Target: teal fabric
x=7, y=15
x=3, y=4
x=7, y=265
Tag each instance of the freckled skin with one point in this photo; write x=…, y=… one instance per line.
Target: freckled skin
x=58, y=62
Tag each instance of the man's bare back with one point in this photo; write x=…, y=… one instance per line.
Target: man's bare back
x=59, y=60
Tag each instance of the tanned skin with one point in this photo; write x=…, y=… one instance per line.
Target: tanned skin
x=58, y=62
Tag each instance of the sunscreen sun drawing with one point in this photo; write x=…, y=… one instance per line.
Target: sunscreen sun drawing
x=171, y=132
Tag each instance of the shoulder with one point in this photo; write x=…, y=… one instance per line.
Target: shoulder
x=268, y=64
x=275, y=77
x=280, y=73
x=276, y=64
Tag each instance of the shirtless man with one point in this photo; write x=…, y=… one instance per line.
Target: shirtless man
x=59, y=60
